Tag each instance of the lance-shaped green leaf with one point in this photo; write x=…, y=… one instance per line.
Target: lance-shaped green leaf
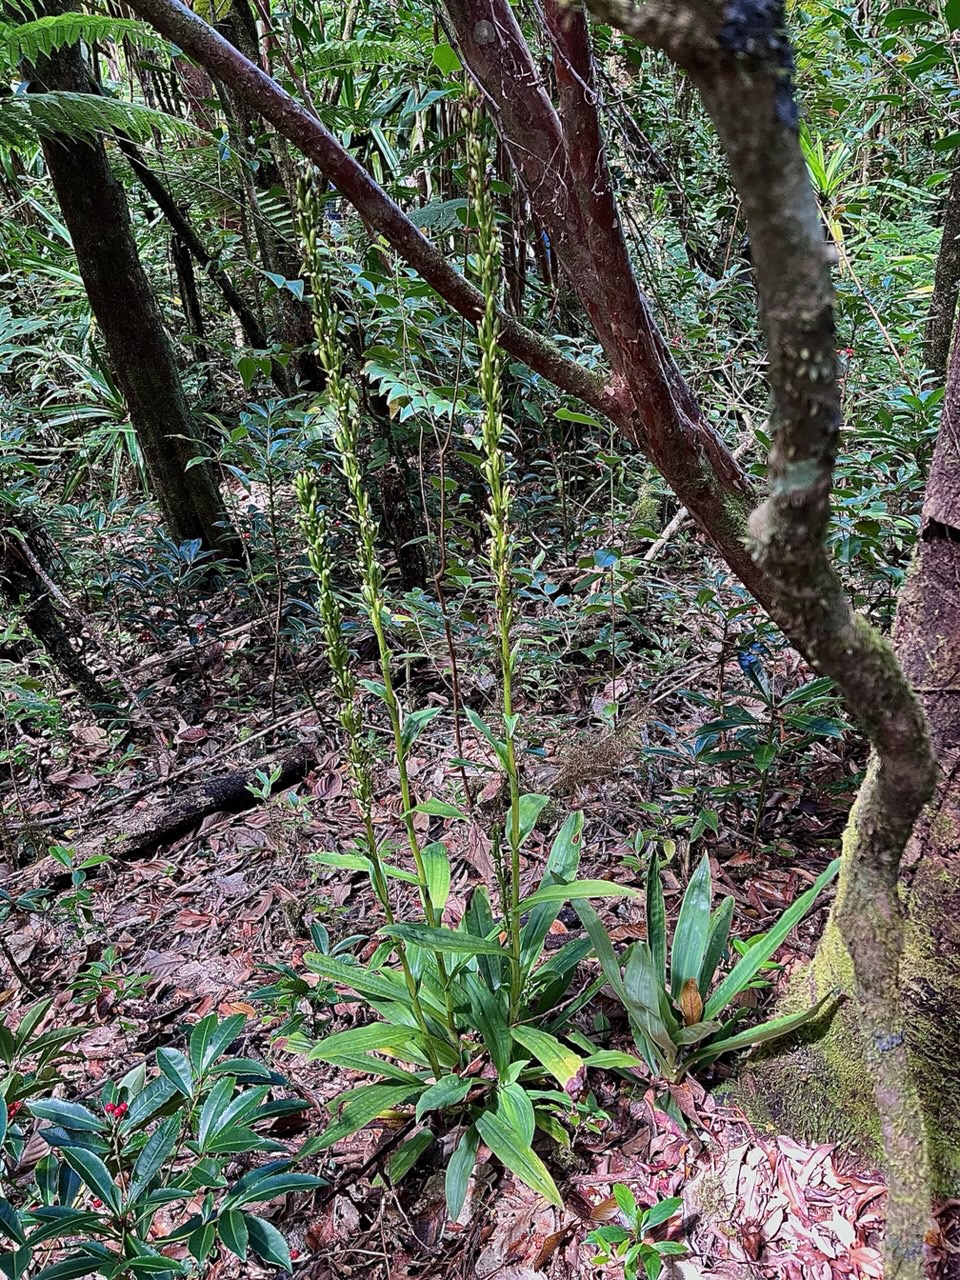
x=582, y=889
x=460, y=1170
x=562, y=1063
x=436, y=866
x=771, y=1030
x=448, y=941
x=562, y=864
x=361, y=1106
x=656, y=919
x=716, y=943
x=509, y=1144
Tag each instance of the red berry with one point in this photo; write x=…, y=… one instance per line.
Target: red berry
x=97, y=1204
x=294, y=1253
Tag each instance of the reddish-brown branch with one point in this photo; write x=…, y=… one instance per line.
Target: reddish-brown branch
x=175, y=21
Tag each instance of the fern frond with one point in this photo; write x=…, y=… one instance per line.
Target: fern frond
x=27, y=41
x=338, y=54
x=25, y=117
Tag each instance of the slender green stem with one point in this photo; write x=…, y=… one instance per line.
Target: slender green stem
x=313, y=523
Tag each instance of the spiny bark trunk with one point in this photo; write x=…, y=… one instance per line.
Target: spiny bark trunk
x=946, y=284
x=95, y=211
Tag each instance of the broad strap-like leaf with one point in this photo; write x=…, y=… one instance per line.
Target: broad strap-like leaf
x=447, y=1092
x=447, y=941
x=716, y=943
x=644, y=994
x=656, y=918
x=601, y=945
x=436, y=866
x=748, y=965
x=771, y=1030
x=490, y=1019
x=530, y=808
x=459, y=1171
x=577, y=889
x=693, y=929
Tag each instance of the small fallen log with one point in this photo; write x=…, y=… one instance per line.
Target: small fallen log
x=144, y=831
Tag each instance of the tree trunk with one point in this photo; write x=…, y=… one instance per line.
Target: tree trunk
x=823, y=1088
x=21, y=587
x=946, y=284
x=95, y=211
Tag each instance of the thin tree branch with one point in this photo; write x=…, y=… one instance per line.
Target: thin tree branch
x=177, y=23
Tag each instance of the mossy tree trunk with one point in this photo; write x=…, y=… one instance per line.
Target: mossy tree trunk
x=823, y=1087
x=96, y=213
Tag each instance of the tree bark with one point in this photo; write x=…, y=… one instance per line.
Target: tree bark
x=96, y=214
x=22, y=588
x=823, y=1087
x=946, y=284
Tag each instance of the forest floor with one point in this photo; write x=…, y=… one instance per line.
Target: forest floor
x=196, y=920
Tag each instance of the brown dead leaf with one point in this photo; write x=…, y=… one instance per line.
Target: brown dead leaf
x=75, y=781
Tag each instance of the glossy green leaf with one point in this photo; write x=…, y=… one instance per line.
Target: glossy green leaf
x=211, y=1037
x=234, y=1232
x=661, y=1212
x=176, y=1067
x=692, y=931
x=78, y=1264
x=68, y=1115
x=267, y=1242
x=94, y=1174
x=154, y=1153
